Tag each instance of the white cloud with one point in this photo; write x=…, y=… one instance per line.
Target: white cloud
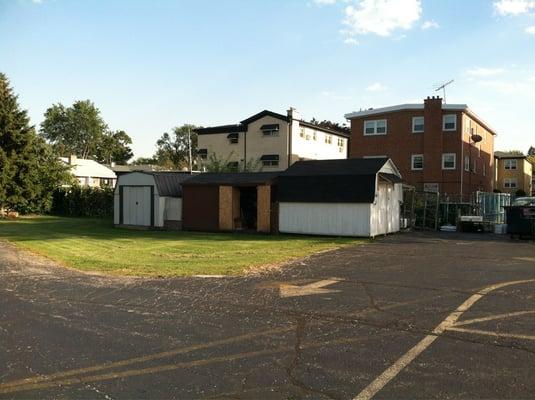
x=351, y=41
x=513, y=7
x=430, y=24
x=530, y=30
x=382, y=17
x=480, y=72
x=376, y=87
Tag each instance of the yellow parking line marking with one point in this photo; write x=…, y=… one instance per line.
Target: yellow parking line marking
x=171, y=367
x=495, y=334
x=493, y=317
x=391, y=372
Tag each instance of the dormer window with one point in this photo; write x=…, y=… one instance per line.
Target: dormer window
x=233, y=138
x=270, y=129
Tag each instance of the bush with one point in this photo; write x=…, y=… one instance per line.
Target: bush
x=520, y=193
x=83, y=202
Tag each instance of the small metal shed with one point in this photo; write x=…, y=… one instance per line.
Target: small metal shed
x=149, y=199
x=350, y=197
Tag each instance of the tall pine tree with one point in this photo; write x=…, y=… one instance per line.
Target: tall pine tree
x=29, y=169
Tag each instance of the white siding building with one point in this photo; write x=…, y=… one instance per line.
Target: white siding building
x=273, y=140
x=89, y=172
x=355, y=197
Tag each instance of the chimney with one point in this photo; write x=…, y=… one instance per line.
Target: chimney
x=72, y=159
x=433, y=102
x=294, y=114
x=113, y=164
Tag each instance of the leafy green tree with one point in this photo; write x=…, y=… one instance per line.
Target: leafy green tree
x=335, y=126
x=80, y=130
x=145, y=161
x=29, y=168
x=531, y=151
x=173, y=148
x=215, y=164
x=114, y=147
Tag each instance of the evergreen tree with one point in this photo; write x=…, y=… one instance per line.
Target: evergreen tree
x=29, y=168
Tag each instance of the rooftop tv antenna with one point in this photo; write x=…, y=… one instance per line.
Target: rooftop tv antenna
x=443, y=88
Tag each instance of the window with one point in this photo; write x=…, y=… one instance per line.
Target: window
x=474, y=166
x=302, y=132
x=233, y=138
x=202, y=153
x=233, y=166
x=449, y=122
x=510, y=164
x=467, y=164
x=509, y=183
x=315, y=135
x=417, y=162
x=270, y=160
x=448, y=160
x=270, y=129
x=417, y=124
x=340, y=142
x=375, y=127
x=328, y=139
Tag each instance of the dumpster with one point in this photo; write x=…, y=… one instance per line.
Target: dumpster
x=520, y=217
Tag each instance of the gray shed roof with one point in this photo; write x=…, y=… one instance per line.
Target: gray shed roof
x=169, y=184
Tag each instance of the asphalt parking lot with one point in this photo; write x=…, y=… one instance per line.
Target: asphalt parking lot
x=407, y=316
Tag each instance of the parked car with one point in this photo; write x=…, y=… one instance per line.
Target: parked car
x=524, y=201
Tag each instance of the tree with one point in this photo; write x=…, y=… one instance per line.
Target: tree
x=29, y=168
x=215, y=164
x=335, y=126
x=114, y=147
x=531, y=151
x=80, y=130
x=173, y=149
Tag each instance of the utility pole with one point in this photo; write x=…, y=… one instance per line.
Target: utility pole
x=189, y=146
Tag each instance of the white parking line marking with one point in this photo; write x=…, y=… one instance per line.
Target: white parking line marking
x=493, y=317
x=391, y=372
x=495, y=334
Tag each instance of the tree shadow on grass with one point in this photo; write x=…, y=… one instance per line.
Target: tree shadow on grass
x=44, y=228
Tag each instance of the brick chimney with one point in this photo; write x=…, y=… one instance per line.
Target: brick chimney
x=433, y=139
x=72, y=159
x=293, y=114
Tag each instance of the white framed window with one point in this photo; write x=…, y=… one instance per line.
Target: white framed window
x=328, y=139
x=510, y=164
x=314, y=135
x=417, y=124
x=375, y=127
x=467, y=164
x=474, y=166
x=510, y=183
x=302, y=132
x=270, y=160
x=340, y=142
x=449, y=160
x=449, y=122
x=417, y=162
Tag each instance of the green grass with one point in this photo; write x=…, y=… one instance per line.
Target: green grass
x=96, y=245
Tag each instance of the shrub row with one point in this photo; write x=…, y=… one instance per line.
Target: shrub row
x=83, y=202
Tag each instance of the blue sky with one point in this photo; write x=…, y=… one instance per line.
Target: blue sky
x=152, y=65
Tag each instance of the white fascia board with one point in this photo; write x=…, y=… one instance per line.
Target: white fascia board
x=400, y=107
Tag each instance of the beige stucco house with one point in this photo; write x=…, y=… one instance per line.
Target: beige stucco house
x=273, y=140
x=513, y=173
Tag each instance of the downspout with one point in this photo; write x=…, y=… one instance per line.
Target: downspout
x=245, y=149
x=290, y=123
x=462, y=163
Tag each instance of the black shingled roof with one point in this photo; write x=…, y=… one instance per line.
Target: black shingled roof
x=232, y=178
x=351, y=166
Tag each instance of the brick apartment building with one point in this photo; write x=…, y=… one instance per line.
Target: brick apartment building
x=436, y=146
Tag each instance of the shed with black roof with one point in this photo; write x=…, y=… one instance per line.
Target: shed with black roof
x=350, y=197
x=149, y=199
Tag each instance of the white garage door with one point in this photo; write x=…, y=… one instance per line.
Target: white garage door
x=136, y=205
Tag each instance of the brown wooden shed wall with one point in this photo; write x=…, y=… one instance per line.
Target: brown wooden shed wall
x=200, y=208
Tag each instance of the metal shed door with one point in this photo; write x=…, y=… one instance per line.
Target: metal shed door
x=136, y=205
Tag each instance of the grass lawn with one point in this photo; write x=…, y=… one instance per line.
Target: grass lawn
x=96, y=245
